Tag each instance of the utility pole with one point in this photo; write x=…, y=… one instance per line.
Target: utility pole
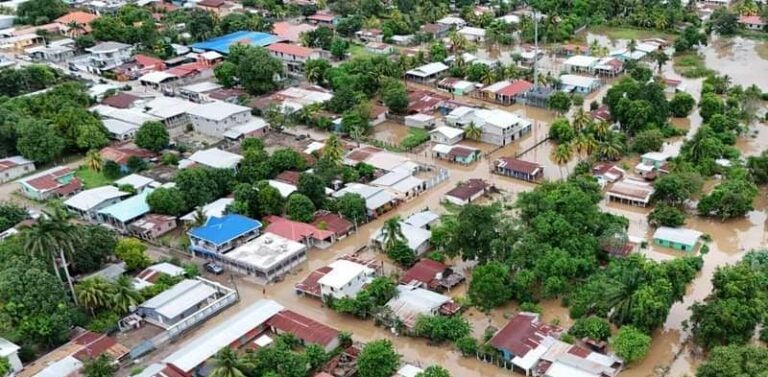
x=535, y=50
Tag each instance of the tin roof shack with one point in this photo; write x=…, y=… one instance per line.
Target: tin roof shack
x=512, y=167
x=57, y=182
x=631, y=191
x=307, y=330
x=432, y=275
x=677, y=238
x=14, y=167
x=465, y=192
x=411, y=302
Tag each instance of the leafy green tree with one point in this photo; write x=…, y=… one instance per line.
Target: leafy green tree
x=559, y=102
x=226, y=74
x=299, y=208
x=401, y=254
x=666, y=215
x=38, y=12
x=438, y=52
x=631, y=344
x=676, y=187
x=474, y=237
x=378, y=359
x=561, y=131
x=94, y=293
x=39, y=142
x=591, y=327
x=201, y=186
x=395, y=96
x=5, y=366
x=133, y=252
x=95, y=245
x=467, y=345
x=441, y=328
x=111, y=169
x=381, y=290
x=352, y=207
x=731, y=198
x=734, y=361
x=256, y=68
x=709, y=105
x=651, y=140
x=723, y=21
x=434, y=371
x=339, y=48
x=153, y=136
x=10, y=215
x=758, y=168
x=315, y=71
x=490, y=286
x=167, y=201
x=101, y=366
x=312, y=187
x=681, y=104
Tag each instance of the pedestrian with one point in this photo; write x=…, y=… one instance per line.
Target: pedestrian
x=264, y=291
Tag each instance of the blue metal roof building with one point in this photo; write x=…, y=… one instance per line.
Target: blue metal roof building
x=222, y=234
x=122, y=213
x=221, y=44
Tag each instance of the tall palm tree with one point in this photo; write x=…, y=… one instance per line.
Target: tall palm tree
x=661, y=59
x=458, y=42
x=632, y=46
x=602, y=129
x=93, y=160
x=53, y=236
x=473, y=132
x=333, y=150
x=199, y=218
x=562, y=155
x=391, y=232
x=227, y=364
x=581, y=120
x=124, y=295
x=94, y=293
x=609, y=149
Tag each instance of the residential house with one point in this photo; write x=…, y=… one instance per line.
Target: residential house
x=221, y=234
x=149, y=276
x=215, y=118
x=344, y=279
x=159, y=80
x=499, y=127
x=412, y=302
x=379, y=48
x=254, y=128
x=122, y=154
x=171, y=111
x=137, y=181
x=369, y=35
x=539, y=97
x=432, y=275
x=512, y=167
x=285, y=189
x=119, y=130
x=506, y=92
x=651, y=163
x=607, y=172
x=141, y=65
x=153, y=226
x=57, y=182
x=446, y=135
x=179, y=302
x=111, y=272
x=420, y=120
x=416, y=238
x=425, y=102
x=293, y=56
x=465, y=192
x=121, y=214
x=403, y=40
x=240, y=330
x=296, y=231
x=425, y=219
x=77, y=23
x=69, y=358
x=609, y=66
x=326, y=220
x=216, y=208
x=212, y=158
x=134, y=116
x=10, y=352
x=219, y=7
x=456, y=86
x=677, y=238
x=672, y=86
x=473, y=34
x=199, y=92
x=291, y=32
x=378, y=115
x=631, y=191
x=402, y=183
x=324, y=19
x=460, y=154
x=437, y=31
x=427, y=72
x=753, y=22
x=601, y=114
x=267, y=258
x=53, y=52
x=452, y=21
x=377, y=200
x=15, y=167
x=581, y=64
x=578, y=84
x=306, y=330
x=294, y=98
x=88, y=203
x=105, y=56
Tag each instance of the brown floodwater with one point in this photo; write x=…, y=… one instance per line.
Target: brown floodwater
x=737, y=57
x=390, y=132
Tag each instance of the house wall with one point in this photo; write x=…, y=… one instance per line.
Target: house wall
x=439, y=138
x=199, y=245
x=456, y=201
x=673, y=245
x=92, y=214
x=109, y=60
x=517, y=174
x=217, y=128
x=163, y=228
x=348, y=290
x=15, y=172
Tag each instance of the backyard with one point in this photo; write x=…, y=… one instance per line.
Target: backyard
x=92, y=178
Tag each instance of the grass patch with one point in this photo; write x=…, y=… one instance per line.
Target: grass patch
x=92, y=178
x=691, y=65
x=415, y=137
x=628, y=33
x=357, y=51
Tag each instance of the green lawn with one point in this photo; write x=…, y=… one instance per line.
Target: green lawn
x=356, y=50
x=690, y=65
x=629, y=33
x=91, y=178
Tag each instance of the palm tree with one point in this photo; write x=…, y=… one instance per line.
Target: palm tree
x=488, y=77
x=602, y=129
x=53, y=236
x=333, y=150
x=610, y=149
x=314, y=73
x=124, y=295
x=581, y=120
x=661, y=58
x=93, y=160
x=632, y=46
x=391, y=232
x=226, y=364
x=562, y=155
x=585, y=144
x=94, y=293
x=458, y=42
x=473, y=132
x=199, y=218
x=75, y=28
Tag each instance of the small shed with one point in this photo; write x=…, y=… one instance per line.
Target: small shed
x=677, y=238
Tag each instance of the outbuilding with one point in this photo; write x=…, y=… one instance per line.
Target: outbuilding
x=677, y=238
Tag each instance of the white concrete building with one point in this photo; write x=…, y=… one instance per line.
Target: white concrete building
x=473, y=34
x=427, y=72
x=499, y=127
x=108, y=55
x=215, y=118
x=446, y=135
x=345, y=279
x=267, y=258
x=119, y=130
x=458, y=22
x=15, y=167
x=138, y=182
x=10, y=352
x=213, y=158
x=172, y=111
x=214, y=209
x=420, y=120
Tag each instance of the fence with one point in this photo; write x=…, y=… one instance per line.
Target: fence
x=442, y=176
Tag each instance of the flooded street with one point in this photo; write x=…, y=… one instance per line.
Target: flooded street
x=738, y=58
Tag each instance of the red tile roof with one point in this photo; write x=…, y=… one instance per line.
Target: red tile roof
x=518, y=165
x=294, y=230
x=306, y=329
x=49, y=181
x=311, y=284
x=289, y=31
x=171, y=370
x=601, y=113
x=211, y=3
x=334, y=223
x=94, y=345
x=120, y=100
x=751, y=20
x=290, y=177
x=82, y=18
x=291, y=49
x=515, y=88
x=424, y=272
x=73, y=186
x=522, y=334
x=121, y=154
x=147, y=61
x=468, y=189
x=320, y=16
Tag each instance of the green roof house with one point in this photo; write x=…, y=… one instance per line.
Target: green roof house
x=677, y=238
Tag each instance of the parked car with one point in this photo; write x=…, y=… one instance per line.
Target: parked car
x=214, y=268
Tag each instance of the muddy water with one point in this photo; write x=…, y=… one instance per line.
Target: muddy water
x=390, y=132
x=737, y=58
